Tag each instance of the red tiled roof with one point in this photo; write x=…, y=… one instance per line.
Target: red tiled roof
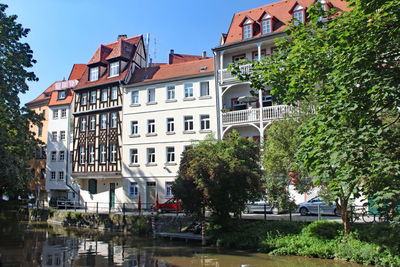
x=279, y=10
x=77, y=71
x=54, y=96
x=122, y=49
x=101, y=55
x=180, y=58
x=166, y=72
x=43, y=96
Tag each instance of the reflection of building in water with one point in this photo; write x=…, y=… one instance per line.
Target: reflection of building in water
x=60, y=251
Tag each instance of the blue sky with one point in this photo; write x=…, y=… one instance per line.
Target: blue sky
x=64, y=32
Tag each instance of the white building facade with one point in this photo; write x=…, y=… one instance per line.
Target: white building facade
x=167, y=108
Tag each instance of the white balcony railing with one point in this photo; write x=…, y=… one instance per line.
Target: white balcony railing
x=253, y=115
x=225, y=74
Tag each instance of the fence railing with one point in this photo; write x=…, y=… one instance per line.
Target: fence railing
x=253, y=114
x=226, y=76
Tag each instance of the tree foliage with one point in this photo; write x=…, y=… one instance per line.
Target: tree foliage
x=219, y=175
x=17, y=142
x=349, y=64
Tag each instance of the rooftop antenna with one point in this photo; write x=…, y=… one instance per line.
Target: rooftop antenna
x=147, y=45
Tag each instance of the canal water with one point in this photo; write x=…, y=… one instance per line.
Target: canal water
x=22, y=244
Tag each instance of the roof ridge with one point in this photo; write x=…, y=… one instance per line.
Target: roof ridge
x=112, y=43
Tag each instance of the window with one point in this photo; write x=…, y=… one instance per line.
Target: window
x=94, y=74
x=55, y=114
x=92, y=186
x=168, y=189
x=267, y=26
x=104, y=95
x=42, y=173
x=53, y=155
x=114, y=69
x=247, y=31
x=188, y=90
x=113, y=153
x=62, y=135
x=82, y=155
x=238, y=57
x=92, y=125
x=91, y=154
x=103, y=121
x=114, y=93
x=151, y=126
x=93, y=96
x=134, y=128
x=133, y=189
x=62, y=156
x=40, y=130
x=204, y=89
x=63, y=113
x=151, y=155
x=170, y=92
x=113, y=122
x=53, y=175
x=54, y=136
x=103, y=154
x=188, y=123
x=255, y=54
x=134, y=156
x=298, y=16
x=134, y=97
x=151, y=95
x=205, y=122
x=83, y=99
x=82, y=124
x=61, y=95
x=61, y=175
x=170, y=125
x=170, y=154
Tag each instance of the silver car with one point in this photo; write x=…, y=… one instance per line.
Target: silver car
x=258, y=206
x=311, y=207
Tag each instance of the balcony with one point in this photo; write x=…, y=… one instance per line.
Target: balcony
x=246, y=116
x=226, y=77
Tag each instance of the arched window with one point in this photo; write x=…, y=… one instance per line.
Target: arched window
x=93, y=186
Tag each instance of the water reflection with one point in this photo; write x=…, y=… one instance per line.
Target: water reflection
x=24, y=245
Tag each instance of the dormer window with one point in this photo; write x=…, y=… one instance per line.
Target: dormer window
x=266, y=23
x=114, y=69
x=247, y=31
x=298, y=15
x=61, y=95
x=94, y=74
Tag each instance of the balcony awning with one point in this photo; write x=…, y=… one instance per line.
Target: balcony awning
x=247, y=99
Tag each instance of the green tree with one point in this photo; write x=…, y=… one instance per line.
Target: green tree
x=17, y=142
x=220, y=175
x=348, y=64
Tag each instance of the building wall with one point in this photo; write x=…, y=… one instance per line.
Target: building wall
x=162, y=171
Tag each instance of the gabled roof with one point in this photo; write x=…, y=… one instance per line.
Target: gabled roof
x=107, y=52
x=180, y=58
x=66, y=101
x=77, y=71
x=166, y=72
x=279, y=10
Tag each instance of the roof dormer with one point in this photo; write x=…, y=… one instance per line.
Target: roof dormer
x=299, y=13
x=247, y=27
x=267, y=23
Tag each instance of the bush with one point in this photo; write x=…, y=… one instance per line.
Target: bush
x=323, y=229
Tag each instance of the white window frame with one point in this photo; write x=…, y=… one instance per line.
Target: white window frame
x=61, y=175
x=188, y=123
x=133, y=189
x=93, y=97
x=92, y=124
x=103, y=154
x=170, y=154
x=114, y=69
x=266, y=26
x=91, y=154
x=247, y=31
x=52, y=175
x=103, y=121
x=113, y=121
x=82, y=155
x=134, y=97
x=171, y=92
x=53, y=155
x=61, y=95
x=168, y=189
x=55, y=114
x=61, y=155
x=62, y=135
x=82, y=126
x=204, y=89
x=188, y=90
x=205, y=123
x=63, y=113
x=83, y=99
x=151, y=155
x=134, y=128
x=114, y=93
x=54, y=136
x=104, y=95
x=170, y=125
x=151, y=95
x=94, y=74
x=151, y=126
x=113, y=153
x=133, y=153
x=298, y=17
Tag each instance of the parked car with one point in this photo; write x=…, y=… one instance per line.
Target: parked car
x=258, y=206
x=170, y=205
x=311, y=207
x=61, y=202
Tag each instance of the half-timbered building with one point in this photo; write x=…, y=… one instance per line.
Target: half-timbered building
x=97, y=118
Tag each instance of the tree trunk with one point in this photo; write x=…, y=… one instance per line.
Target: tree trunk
x=344, y=214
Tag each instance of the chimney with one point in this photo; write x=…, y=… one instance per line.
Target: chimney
x=122, y=36
x=151, y=62
x=171, y=56
x=204, y=54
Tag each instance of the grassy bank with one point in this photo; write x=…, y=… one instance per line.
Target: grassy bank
x=368, y=243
